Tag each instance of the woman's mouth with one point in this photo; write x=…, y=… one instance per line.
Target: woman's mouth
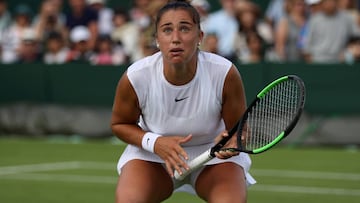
x=176, y=51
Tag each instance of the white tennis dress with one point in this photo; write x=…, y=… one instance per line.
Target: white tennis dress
x=193, y=108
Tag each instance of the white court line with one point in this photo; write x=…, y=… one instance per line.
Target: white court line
x=306, y=174
x=306, y=190
x=7, y=170
x=258, y=187
x=28, y=172
x=63, y=178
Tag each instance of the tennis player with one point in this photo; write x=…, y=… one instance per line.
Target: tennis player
x=172, y=106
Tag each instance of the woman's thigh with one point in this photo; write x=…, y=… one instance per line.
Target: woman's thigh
x=143, y=181
x=223, y=182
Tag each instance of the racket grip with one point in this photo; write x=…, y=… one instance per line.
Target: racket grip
x=194, y=164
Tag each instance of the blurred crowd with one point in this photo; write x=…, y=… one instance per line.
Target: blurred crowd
x=89, y=31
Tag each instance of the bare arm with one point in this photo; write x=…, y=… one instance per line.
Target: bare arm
x=233, y=107
x=126, y=113
x=234, y=102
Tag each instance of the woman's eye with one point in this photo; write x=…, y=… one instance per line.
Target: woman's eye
x=167, y=30
x=184, y=29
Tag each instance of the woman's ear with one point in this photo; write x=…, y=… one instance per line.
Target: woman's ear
x=201, y=36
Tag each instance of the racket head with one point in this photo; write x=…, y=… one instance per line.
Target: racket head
x=270, y=117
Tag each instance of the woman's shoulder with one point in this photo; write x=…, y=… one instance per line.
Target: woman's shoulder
x=214, y=59
x=214, y=65
x=145, y=63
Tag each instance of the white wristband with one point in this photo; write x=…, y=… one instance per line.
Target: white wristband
x=148, y=141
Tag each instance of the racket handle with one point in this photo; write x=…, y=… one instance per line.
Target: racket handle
x=195, y=164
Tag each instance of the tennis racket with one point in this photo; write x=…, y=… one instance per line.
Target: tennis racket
x=269, y=119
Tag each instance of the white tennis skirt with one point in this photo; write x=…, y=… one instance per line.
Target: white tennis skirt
x=132, y=152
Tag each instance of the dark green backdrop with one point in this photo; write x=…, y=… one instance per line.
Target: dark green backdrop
x=331, y=89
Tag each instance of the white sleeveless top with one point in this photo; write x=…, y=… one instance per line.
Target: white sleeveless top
x=193, y=108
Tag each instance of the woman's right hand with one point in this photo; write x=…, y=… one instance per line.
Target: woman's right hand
x=169, y=149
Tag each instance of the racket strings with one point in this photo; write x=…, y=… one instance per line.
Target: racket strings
x=271, y=116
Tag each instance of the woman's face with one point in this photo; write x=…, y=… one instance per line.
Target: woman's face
x=178, y=36
x=54, y=45
x=329, y=6
x=119, y=20
x=254, y=44
x=299, y=6
x=48, y=8
x=248, y=19
x=104, y=46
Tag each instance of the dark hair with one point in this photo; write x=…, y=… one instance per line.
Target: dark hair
x=250, y=35
x=122, y=12
x=54, y=35
x=353, y=39
x=178, y=4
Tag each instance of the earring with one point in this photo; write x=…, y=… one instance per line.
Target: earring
x=157, y=45
x=199, y=43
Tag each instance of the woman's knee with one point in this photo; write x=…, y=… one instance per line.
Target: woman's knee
x=225, y=182
x=142, y=181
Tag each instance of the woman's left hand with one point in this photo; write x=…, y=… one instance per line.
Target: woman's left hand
x=232, y=143
x=169, y=149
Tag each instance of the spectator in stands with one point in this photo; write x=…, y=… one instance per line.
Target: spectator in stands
x=147, y=40
x=288, y=32
x=13, y=35
x=5, y=18
x=255, y=44
x=138, y=13
x=105, y=16
x=59, y=4
x=5, y=21
x=328, y=34
x=275, y=11
x=29, y=50
x=249, y=20
x=48, y=20
x=351, y=7
x=203, y=8
x=105, y=53
x=126, y=34
x=313, y=5
x=81, y=14
x=80, y=51
x=223, y=24
x=56, y=51
x=210, y=43
x=352, y=51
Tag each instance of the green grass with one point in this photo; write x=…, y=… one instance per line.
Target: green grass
x=71, y=170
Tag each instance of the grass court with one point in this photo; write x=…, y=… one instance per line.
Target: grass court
x=72, y=170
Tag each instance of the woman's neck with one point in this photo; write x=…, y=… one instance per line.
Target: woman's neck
x=180, y=74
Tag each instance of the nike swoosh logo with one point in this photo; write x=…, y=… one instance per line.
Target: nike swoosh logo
x=177, y=100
